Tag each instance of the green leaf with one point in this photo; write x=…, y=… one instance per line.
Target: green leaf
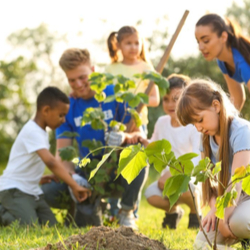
x=95, y=76
x=187, y=157
x=159, y=154
x=217, y=168
x=202, y=166
x=132, y=161
x=163, y=83
x=100, y=97
x=67, y=153
x=162, y=91
x=134, y=102
x=135, y=116
x=110, y=98
x=69, y=134
x=84, y=162
x=220, y=207
x=175, y=186
x=76, y=160
x=246, y=185
x=201, y=177
x=239, y=173
x=104, y=158
x=185, y=167
x=143, y=97
x=122, y=79
x=98, y=124
x=152, y=76
x=98, y=87
x=113, y=123
x=131, y=84
x=158, y=147
x=117, y=88
x=128, y=96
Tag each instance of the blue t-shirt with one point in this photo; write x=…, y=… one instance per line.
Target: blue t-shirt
x=242, y=68
x=239, y=140
x=112, y=111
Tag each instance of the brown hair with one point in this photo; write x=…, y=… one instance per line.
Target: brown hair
x=178, y=81
x=116, y=37
x=73, y=57
x=198, y=96
x=235, y=38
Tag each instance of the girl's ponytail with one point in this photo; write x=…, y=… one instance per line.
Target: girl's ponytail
x=112, y=46
x=237, y=40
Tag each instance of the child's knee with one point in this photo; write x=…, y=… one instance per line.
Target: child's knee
x=240, y=226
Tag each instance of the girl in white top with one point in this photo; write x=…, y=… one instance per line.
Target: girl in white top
x=183, y=140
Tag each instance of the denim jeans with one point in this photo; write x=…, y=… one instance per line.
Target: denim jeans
x=57, y=195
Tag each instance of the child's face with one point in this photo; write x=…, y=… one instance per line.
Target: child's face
x=209, y=43
x=55, y=117
x=130, y=46
x=78, y=81
x=207, y=121
x=169, y=102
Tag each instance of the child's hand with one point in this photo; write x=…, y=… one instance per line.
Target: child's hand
x=143, y=141
x=81, y=193
x=210, y=220
x=48, y=178
x=132, y=138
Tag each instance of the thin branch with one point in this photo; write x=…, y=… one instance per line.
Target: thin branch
x=195, y=205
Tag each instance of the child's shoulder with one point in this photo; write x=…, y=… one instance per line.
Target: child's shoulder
x=112, y=66
x=239, y=124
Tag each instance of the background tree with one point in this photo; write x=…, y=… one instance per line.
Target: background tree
x=22, y=77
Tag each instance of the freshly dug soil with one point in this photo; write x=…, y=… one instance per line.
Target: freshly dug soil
x=105, y=238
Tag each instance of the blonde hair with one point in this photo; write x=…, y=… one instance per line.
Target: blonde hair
x=116, y=37
x=197, y=96
x=73, y=57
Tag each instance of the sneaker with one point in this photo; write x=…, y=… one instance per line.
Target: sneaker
x=127, y=218
x=171, y=220
x=193, y=221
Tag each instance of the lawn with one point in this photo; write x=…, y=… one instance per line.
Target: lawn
x=17, y=237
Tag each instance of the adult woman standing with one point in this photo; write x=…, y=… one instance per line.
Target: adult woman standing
x=222, y=40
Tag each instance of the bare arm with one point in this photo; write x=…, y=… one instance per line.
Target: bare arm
x=241, y=158
x=61, y=143
x=248, y=85
x=59, y=170
x=237, y=92
x=162, y=180
x=154, y=97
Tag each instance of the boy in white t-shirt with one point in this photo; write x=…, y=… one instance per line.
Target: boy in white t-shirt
x=183, y=140
x=21, y=197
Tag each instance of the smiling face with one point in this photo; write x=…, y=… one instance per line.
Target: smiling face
x=78, y=81
x=207, y=121
x=130, y=46
x=210, y=44
x=169, y=102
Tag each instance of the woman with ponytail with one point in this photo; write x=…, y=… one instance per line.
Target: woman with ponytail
x=225, y=138
x=222, y=40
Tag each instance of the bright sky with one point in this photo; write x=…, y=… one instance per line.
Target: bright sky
x=95, y=19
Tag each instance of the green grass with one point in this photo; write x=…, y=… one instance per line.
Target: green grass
x=17, y=237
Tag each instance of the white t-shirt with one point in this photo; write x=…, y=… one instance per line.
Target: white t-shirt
x=25, y=168
x=183, y=139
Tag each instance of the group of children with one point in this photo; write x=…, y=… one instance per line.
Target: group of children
x=218, y=133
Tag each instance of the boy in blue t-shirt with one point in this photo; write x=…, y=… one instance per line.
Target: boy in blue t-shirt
x=20, y=195
x=77, y=67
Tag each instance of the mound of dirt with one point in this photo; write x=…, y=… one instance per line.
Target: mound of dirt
x=122, y=238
